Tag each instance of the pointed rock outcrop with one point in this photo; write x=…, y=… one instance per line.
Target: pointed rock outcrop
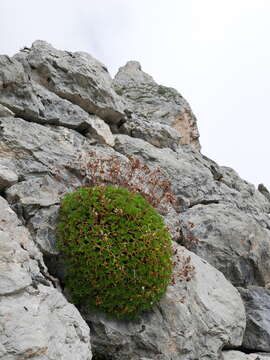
x=155, y=106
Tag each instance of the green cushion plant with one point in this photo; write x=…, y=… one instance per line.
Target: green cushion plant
x=117, y=250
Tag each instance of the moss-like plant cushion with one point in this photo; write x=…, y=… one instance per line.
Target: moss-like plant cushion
x=117, y=250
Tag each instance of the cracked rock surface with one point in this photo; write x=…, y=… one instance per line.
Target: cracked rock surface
x=60, y=111
x=36, y=321
x=155, y=107
x=257, y=304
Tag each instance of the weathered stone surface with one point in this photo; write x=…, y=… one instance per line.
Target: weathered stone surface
x=263, y=189
x=33, y=150
x=43, y=227
x=16, y=251
x=231, y=240
x=157, y=134
x=77, y=77
x=237, y=355
x=43, y=191
x=155, y=103
x=29, y=100
x=214, y=210
x=46, y=161
x=14, y=275
x=33, y=102
x=42, y=325
x=193, y=321
x=7, y=177
x=99, y=132
x=36, y=321
x=257, y=303
x=4, y=111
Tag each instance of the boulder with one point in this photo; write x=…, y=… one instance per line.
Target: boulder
x=157, y=134
x=231, y=240
x=154, y=103
x=26, y=98
x=99, y=132
x=8, y=177
x=47, y=160
x=257, y=303
x=76, y=77
x=36, y=321
x=199, y=315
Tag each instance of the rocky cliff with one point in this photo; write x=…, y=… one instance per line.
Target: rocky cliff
x=60, y=113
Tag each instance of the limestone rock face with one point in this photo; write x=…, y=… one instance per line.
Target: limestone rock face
x=257, y=304
x=77, y=77
x=60, y=113
x=152, y=103
x=155, y=133
x=194, y=320
x=32, y=101
x=7, y=177
x=224, y=221
x=36, y=321
x=231, y=240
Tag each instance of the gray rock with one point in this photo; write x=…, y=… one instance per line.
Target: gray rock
x=228, y=208
x=43, y=228
x=45, y=159
x=157, y=134
x=231, y=240
x=76, y=77
x=194, y=320
x=43, y=191
x=257, y=304
x=154, y=103
x=33, y=102
x=42, y=325
x=36, y=321
x=34, y=151
x=7, y=177
x=263, y=189
x=237, y=355
x=100, y=132
x=14, y=275
x=4, y=111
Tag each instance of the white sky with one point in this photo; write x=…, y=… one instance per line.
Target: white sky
x=216, y=53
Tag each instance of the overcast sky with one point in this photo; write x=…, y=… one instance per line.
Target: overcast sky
x=216, y=53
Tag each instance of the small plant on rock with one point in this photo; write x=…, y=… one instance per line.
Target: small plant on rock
x=117, y=250
x=134, y=174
